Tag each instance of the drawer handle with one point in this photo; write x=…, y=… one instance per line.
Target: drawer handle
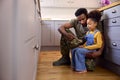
x=114, y=21
x=114, y=44
x=114, y=11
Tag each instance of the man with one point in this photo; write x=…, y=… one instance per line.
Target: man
x=80, y=26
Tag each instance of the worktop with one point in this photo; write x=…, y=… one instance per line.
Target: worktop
x=109, y=6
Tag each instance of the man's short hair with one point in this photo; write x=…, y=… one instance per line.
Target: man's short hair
x=81, y=11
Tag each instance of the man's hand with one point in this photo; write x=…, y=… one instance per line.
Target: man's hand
x=70, y=36
x=94, y=54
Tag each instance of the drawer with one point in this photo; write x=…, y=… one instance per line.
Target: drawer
x=112, y=33
x=113, y=55
x=112, y=12
x=112, y=22
x=115, y=44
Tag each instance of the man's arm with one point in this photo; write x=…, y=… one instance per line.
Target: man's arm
x=62, y=30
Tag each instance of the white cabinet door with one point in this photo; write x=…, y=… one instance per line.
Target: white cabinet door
x=61, y=3
x=25, y=61
x=18, y=38
x=92, y=3
x=55, y=3
x=57, y=34
x=47, y=3
x=77, y=3
x=71, y=3
x=47, y=33
x=6, y=39
x=25, y=40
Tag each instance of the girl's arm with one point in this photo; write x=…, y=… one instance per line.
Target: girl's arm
x=98, y=43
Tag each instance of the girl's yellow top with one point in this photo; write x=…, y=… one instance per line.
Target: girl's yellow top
x=97, y=41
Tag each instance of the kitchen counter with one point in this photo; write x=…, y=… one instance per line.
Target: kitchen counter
x=109, y=6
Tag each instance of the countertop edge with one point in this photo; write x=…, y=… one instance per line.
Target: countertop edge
x=109, y=6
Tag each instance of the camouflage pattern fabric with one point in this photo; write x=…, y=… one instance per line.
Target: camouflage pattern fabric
x=75, y=42
x=64, y=46
x=90, y=64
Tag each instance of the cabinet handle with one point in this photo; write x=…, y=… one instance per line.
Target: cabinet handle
x=114, y=44
x=114, y=11
x=36, y=47
x=114, y=21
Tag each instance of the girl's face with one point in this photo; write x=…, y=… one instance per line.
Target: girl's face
x=91, y=24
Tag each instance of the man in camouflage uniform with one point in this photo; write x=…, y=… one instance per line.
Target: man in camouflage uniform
x=69, y=40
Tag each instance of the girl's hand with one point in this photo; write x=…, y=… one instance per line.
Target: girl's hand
x=81, y=46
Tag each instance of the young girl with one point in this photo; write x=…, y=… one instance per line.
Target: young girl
x=93, y=41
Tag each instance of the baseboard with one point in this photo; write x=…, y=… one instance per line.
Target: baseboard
x=111, y=66
x=50, y=48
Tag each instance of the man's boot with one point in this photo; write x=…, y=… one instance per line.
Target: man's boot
x=62, y=61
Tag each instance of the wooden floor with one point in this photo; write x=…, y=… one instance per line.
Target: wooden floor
x=48, y=72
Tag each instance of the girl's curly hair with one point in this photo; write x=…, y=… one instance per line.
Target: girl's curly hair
x=95, y=15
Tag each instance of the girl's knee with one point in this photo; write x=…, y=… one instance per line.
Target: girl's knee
x=80, y=50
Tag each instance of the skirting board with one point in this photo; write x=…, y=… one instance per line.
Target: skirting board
x=50, y=48
x=111, y=66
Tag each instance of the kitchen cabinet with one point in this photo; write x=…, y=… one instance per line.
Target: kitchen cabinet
x=57, y=35
x=111, y=23
x=77, y=3
x=112, y=28
x=92, y=3
x=18, y=32
x=50, y=34
x=26, y=40
x=112, y=12
x=61, y=3
x=47, y=3
x=70, y=3
x=47, y=33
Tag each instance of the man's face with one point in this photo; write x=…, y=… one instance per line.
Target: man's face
x=82, y=19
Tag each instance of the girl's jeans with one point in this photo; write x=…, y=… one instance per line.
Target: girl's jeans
x=78, y=58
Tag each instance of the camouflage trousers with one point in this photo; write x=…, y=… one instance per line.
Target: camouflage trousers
x=66, y=46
